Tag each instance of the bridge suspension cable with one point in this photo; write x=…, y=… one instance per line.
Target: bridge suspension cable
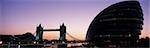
x=73, y=37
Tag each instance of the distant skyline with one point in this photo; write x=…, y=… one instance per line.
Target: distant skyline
x=21, y=16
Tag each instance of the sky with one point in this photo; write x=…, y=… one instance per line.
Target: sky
x=21, y=16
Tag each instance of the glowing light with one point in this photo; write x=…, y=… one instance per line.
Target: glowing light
x=52, y=42
x=63, y=42
x=34, y=42
x=1, y=42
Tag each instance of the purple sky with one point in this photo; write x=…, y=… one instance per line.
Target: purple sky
x=21, y=16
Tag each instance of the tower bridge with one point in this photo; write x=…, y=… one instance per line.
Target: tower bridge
x=40, y=30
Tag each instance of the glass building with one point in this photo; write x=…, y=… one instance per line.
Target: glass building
x=119, y=25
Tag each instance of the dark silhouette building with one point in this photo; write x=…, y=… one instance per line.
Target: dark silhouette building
x=6, y=38
x=27, y=37
x=144, y=42
x=23, y=38
x=119, y=25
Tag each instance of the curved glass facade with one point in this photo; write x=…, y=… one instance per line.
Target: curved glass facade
x=120, y=25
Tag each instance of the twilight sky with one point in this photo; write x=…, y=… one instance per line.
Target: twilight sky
x=21, y=16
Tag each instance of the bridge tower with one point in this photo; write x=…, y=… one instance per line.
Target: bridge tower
x=62, y=32
x=39, y=33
